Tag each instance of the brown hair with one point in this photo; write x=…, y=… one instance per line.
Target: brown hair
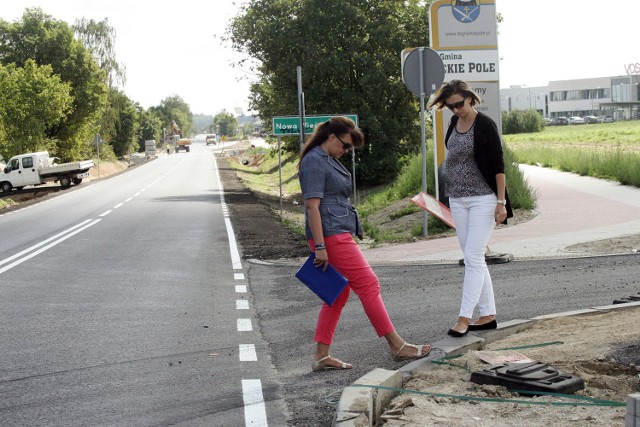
x=338, y=125
x=451, y=88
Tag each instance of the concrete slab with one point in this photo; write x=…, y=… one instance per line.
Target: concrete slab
x=618, y=306
x=585, y=311
x=505, y=329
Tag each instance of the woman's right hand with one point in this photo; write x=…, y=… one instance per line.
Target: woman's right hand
x=322, y=259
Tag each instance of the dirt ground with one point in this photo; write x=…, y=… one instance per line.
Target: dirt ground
x=602, y=349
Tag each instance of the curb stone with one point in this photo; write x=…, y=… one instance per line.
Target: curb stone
x=359, y=407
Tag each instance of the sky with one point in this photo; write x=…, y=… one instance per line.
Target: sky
x=176, y=48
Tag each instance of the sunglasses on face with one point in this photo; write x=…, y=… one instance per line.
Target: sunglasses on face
x=345, y=146
x=455, y=105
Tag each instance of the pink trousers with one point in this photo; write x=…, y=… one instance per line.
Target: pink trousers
x=346, y=257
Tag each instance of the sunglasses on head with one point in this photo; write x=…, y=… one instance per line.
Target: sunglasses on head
x=345, y=146
x=455, y=105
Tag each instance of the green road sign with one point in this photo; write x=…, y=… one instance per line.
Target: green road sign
x=291, y=125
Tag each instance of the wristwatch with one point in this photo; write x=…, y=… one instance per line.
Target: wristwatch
x=502, y=202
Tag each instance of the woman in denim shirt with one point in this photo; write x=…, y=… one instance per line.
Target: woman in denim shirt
x=330, y=222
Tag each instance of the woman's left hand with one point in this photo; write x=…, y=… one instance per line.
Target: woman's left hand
x=500, y=214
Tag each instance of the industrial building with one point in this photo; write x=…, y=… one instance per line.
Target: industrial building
x=617, y=97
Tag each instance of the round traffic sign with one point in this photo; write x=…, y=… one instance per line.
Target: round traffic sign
x=432, y=70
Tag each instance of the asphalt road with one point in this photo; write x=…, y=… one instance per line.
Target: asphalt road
x=121, y=303
x=423, y=302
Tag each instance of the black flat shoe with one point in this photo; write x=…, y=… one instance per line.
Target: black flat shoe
x=454, y=333
x=485, y=326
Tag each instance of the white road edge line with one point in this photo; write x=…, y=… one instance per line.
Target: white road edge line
x=50, y=245
x=44, y=242
x=255, y=412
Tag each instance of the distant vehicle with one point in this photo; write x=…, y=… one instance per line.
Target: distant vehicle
x=560, y=121
x=576, y=120
x=211, y=139
x=591, y=119
x=182, y=144
x=608, y=120
x=548, y=121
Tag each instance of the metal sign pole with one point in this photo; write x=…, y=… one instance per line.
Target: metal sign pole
x=423, y=145
x=280, y=175
x=300, y=105
x=353, y=177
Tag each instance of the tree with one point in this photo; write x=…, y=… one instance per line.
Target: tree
x=31, y=100
x=100, y=39
x=350, y=64
x=174, y=108
x=225, y=124
x=39, y=37
x=150, y=127
x=125, y=137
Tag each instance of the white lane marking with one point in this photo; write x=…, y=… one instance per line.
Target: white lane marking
x=248, y=353
x=242, y=304
x=118, y=205
x=129, y=199
x=137, y=194
x=255, y=412
x=233, y=246
x=244, y=325
x=238, y=276
x=106, y=213
x=241, y=289
x=50, y=245
x=44, y=242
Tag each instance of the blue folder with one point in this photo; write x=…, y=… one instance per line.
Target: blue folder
x=326, y=284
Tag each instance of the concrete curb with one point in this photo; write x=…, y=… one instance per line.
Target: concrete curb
x=359, y=406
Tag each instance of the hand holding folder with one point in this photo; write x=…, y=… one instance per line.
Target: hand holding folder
x=326, y=284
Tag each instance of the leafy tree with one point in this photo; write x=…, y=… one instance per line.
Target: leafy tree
x=47, y=41
x=150, y=127
x=31, y=100
x=125, y=137
x=225, y=124
x=174, y=108
x=100, y=39
x=349, y=53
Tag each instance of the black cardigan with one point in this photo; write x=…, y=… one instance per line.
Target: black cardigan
x=487, y=152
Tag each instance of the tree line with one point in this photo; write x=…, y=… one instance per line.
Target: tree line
x=61, y=85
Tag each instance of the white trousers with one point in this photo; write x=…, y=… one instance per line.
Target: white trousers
x=474, y=219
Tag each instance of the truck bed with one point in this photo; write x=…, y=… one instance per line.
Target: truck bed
x=70, y=167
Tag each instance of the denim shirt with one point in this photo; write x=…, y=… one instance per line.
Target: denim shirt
x=323, y=177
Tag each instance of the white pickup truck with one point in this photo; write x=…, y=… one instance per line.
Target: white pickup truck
x=38, y=168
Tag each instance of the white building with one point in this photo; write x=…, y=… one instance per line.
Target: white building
x=617, y=97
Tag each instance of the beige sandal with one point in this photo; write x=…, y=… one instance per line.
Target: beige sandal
x=317, y=365
x=418, y=355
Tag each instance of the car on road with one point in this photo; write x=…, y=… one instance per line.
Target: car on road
x=211, y=139
x=547, y=121
x=591, y=119
x=560, y=121
x=575, y=120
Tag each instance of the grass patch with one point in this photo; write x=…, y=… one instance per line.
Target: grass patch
x=604, y=150
x=5, y=203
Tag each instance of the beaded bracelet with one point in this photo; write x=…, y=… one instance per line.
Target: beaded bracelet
x=320, y=246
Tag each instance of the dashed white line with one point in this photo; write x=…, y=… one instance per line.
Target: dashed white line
x=129, y=199
x=242, y=304
x=118, y=205
x=248, y=353
x=106, y=213
x=255, y=412
x=238, y=276
x=244, y=325
x=241, y=289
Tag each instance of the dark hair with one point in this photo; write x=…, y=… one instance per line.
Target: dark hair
x=451, y=88
x=338, y=125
